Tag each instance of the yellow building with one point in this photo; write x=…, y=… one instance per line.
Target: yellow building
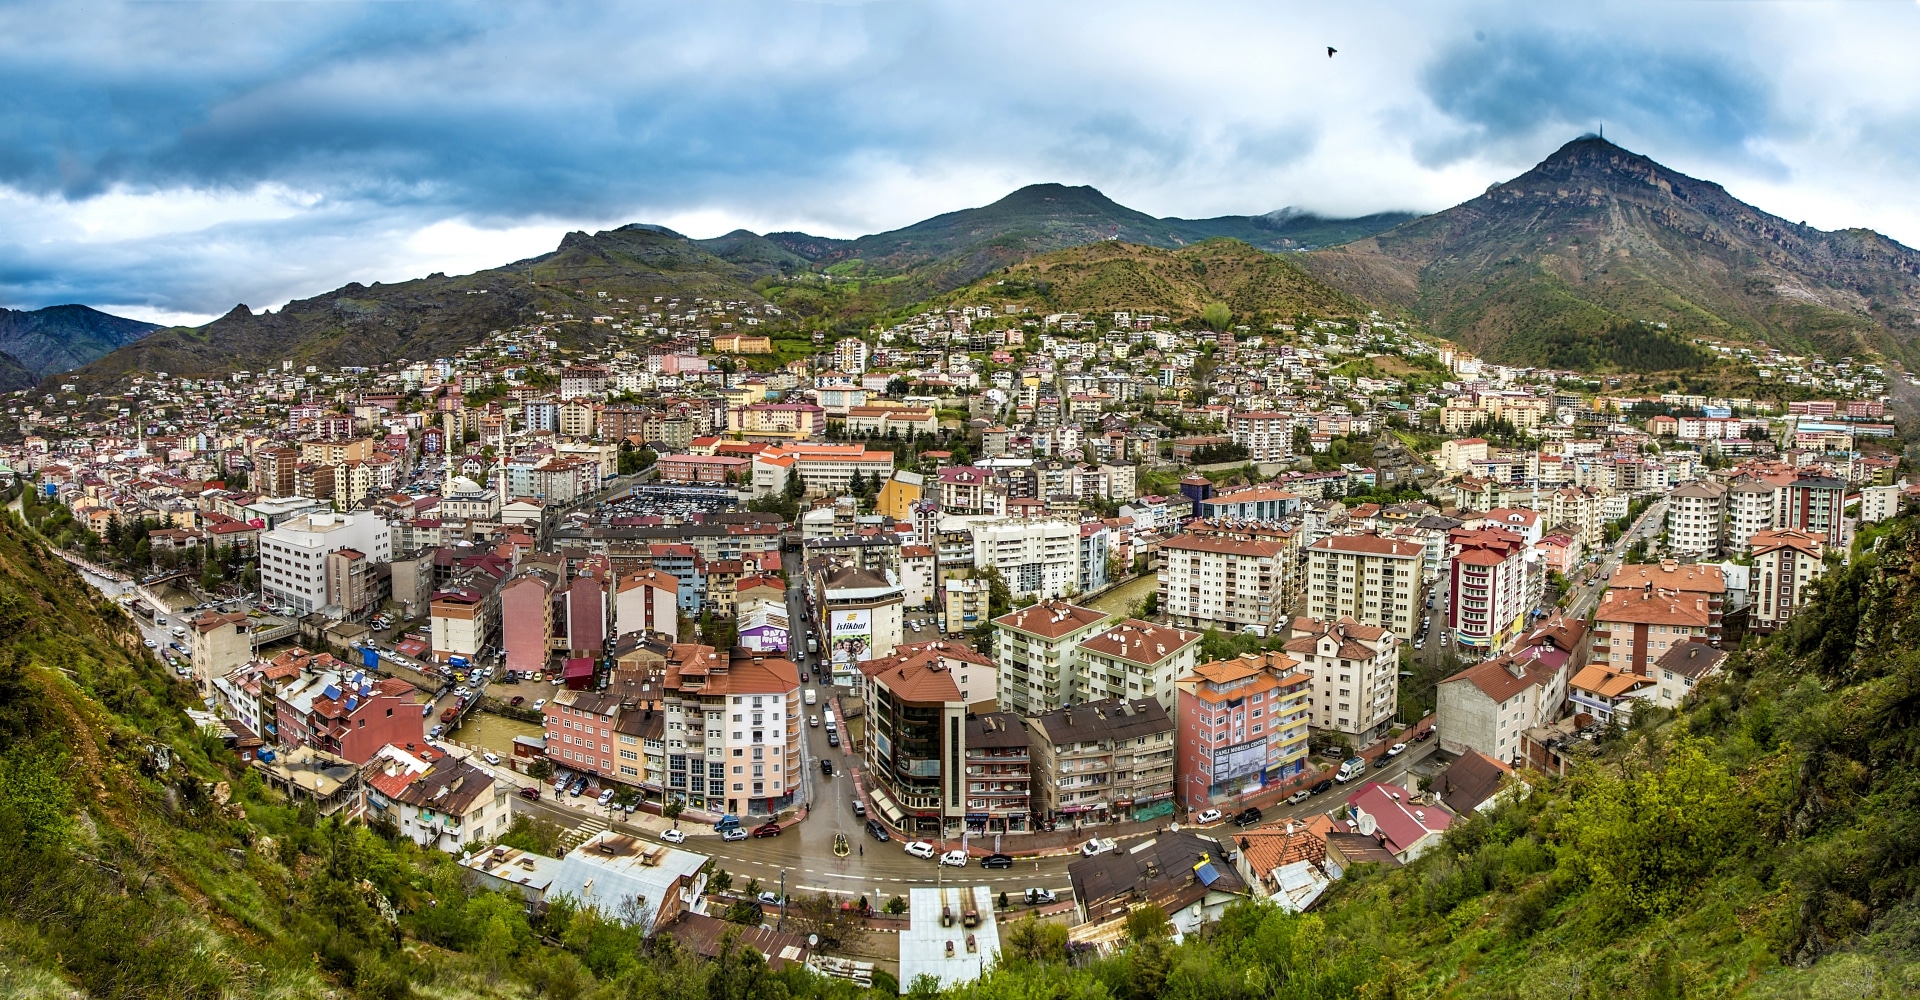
x=740, y=343
x=897, y=498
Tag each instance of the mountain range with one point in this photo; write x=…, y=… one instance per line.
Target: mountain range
x=1596, y=258
x=1571, y=262
x=42, y=342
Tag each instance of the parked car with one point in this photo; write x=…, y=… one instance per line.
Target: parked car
x=826, y=767
x=813, y=721
x=833, y=738
x=1249, y=816
x=732, y=834
x=876, y=831
x=767, y=830
x=605, y=797
x=1396, y=750
x=674, y=836
x=770, y=897
x=538, y=705
x=997, y=861
x=531, y=792
x=491, y=758
x=579, y=786
x=954, y=859
x=1039, y=897
x=1096, y=846
x=1425, y=735
x=517, y=699
x=920, y=848
x=434, y=733
x=859, y=808
x=1298, y=797
x=1207, y=816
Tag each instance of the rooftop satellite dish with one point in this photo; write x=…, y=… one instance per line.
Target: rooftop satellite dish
x=813, y=940
x=1367, y=825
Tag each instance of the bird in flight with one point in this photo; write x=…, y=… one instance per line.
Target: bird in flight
x=1330, y=51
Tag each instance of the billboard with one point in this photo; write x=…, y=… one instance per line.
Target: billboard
x=1239, y=760
x=850, y=636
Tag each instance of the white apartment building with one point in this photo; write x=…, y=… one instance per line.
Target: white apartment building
x=733, y=732
x=1751, y=507
x=1373, y=580
x=1267, y=436
x=1036, y=652
x=850, y=356
x=293, y=556
x=1039, y=557
x=1696, y=519
x=448, y=805
x=1211, y=582
x=1356, y=674
x=1487, y=706
x=1136, y=659
x=1879, y=503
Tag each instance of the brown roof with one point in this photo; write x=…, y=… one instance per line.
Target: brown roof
x=1112, y=719
x=1051, y=619
x=1692, y=659
x=1657, y=607
x=450, y=786
x=703, y=935
x=1352, y=636
x=997, y=731
x=1140, y=642
x=1471, y=780
x=1372, y=545
x=1504, y=676
x=919, y=677
x=1223, y=546
x=1696, y=578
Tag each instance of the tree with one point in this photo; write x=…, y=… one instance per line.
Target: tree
x=999, y=595
x=720, y=880
x=896, y=905
x=1216, y=316
x=1148, y=923
x=541, y=769
x=673, y=809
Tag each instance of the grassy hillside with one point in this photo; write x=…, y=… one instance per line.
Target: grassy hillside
x=1113, y=275
x=1765, y=843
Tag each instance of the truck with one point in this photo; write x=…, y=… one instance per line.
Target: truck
x=826, y=716
x=1097, y=846
x=813, y=646
x=1351, y=769
x=810, y=696
x=452, y=713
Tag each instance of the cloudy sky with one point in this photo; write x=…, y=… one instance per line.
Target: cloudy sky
x=167, y=160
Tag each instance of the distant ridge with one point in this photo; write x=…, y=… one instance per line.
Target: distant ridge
x=61, y=338
x=1576, y=262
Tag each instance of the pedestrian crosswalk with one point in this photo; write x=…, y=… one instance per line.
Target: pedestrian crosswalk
x=589, y=827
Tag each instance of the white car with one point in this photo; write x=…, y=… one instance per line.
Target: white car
x=770, y=898
x=674, y=836
x=813, y=721
x=956, y=859
x=919, y=848
x=491, y=758
x=151, y=644
x=1209, y=816
x=1396, y=750
x=540, y=704
x=605, y=797
x=1096, y=846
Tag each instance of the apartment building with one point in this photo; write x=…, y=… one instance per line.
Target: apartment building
x=1224, y=583
x=445, y=804
x=526, y=617
x=1356, y=674
x=916, y=725
x=1702, y=580
x=1038, y=556
x=999, y=773
x=1104, y=760
x=733, y=730
x=1487, y=706
x=218, y=643
x=1135, y=659
x=1751, y=506
x=1037, y=652
x=1696, y=519
x=648, y=602
x=1880, y=503
x=1267, y=436
x=1373, y=580
x=1785, y=564
x=1816, y=505
x=1242, y=724
x=293, y=556
x=1632, y=628
x=1488, y=587
x=465, y=617
x=963, y=603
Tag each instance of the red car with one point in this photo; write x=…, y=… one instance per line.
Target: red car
x=530, y=792
x=767, y=830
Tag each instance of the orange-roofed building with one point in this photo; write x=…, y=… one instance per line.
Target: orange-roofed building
x=1136, y=659
x=1607, y=694
x=1240, y=724
x=1634, y=628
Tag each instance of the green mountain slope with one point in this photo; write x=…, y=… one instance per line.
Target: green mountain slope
x=1597, y=239
x=62, y=338
x=1106, y=276
x=14, y=375
x=1765, y=843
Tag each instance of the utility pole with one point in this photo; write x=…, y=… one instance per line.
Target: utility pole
x=783, y=900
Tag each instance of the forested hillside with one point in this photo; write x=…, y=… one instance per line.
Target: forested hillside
x=1764, y=843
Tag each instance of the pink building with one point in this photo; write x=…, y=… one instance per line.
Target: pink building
x=526, y=618
x=588, y=607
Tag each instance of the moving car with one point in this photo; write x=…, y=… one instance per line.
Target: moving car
x=997, y=861
x=1351, y=769
x=770, y=897
x=767, y=830
x=955, y=859
x=876, y=831
x=1298, y=797
x=826, y=767
x=1396, y=750
x=859, y=808
x=813, y=721
x=530, y=792
x=919, y=848
x=151, y=644
x=1207, y=816
x=733, y=833
x=674, y=836
x=1096, y=846
x=1038, y=897
x=1249, y=816
x=491, y=757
